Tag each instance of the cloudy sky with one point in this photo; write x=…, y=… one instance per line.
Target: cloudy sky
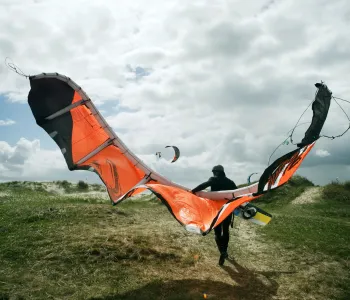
x=224, y=80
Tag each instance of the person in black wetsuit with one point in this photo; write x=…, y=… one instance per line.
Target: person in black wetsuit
x=220, y=183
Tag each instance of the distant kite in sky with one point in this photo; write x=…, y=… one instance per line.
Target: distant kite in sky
x=248, y=179
x=176, y=155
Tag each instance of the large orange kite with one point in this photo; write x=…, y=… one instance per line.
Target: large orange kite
x=87, y=142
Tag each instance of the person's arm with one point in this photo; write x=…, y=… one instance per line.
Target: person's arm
x=234, y=186
x=202, y=186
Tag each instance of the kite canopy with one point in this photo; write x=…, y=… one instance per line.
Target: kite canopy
x=177, y=153
x=320, y=109
x=87, y=142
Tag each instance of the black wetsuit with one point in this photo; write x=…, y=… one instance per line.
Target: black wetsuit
x=220, y=183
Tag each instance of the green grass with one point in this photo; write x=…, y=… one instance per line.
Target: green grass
x=64, y=185
x=321, y=228
x=61, y=247
x=56, y=246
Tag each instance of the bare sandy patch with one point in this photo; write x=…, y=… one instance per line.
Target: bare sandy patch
x=309, y=196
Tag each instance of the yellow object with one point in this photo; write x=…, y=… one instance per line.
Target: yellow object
x=205, y=296
x=262, y=218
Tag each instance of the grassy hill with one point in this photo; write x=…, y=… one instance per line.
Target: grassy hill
x=66, y=241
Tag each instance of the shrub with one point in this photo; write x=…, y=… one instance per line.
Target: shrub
x=337, y=192
x=82, y=185
x=64, y=184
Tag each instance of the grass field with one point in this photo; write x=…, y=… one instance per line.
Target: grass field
x=65, y=243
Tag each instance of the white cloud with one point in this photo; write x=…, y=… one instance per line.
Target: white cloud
x=7, y=122
x=322, y=153
x=13, y=158
x=27, y=161
x=225, y=80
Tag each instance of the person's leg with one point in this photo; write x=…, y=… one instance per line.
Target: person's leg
x=218, y=237
x=226, y=233
x=225, y=239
